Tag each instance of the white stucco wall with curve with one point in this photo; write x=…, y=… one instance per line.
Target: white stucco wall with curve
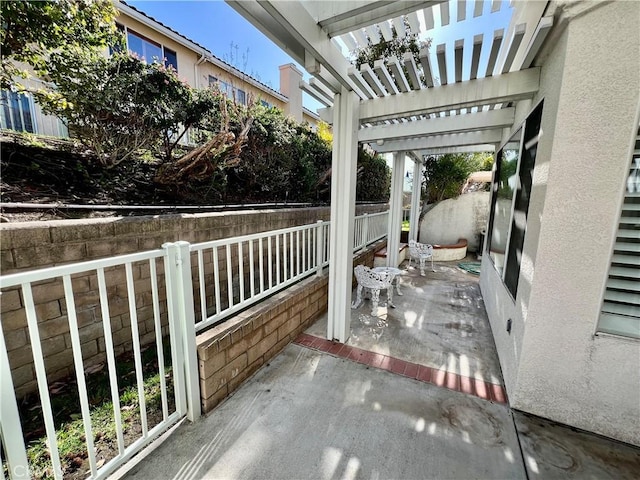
x=461, y=217
x=555, y=364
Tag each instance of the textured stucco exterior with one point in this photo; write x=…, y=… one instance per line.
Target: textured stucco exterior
x=554, y=363
x=461, y=217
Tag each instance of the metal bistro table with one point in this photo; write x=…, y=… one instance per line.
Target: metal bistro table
x=395, y=280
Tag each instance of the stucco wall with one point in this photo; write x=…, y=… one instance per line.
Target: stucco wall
x=554, y=364
x=500, y=305
x=462, y=217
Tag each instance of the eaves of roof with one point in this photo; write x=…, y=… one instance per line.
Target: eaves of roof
x=311, y=113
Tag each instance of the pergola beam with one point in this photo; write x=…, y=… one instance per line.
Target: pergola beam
x=501, y=118
x=504, y=88
x=440, y=141
x=475, y=56
x=426, y=66
x=315, y=93
x=337, y=18
x=459, y=149
x=399, y=75
x=540, y=34
x=412, y=70
x=383, y=74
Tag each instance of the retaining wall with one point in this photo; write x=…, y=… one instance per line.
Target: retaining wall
x=35, y=245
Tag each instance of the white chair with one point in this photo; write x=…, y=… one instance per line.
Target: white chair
x=420, y=252
x=374, y=281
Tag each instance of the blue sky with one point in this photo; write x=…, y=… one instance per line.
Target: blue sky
x=218, y=27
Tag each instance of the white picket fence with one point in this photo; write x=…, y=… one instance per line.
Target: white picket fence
x=201, y=285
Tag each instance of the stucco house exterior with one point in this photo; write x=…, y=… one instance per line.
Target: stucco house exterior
x=149, y=39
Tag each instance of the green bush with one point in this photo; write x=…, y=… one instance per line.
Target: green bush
x=374, y=177
x=445, y=174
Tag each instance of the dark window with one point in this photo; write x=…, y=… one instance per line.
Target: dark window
x=503, y=187
x=521, y=205
x=241, y=97
x=144, y=48
x=512, y=183
x=15, y=113
x=170, y=58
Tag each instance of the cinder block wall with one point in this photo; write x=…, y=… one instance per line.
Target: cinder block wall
x=34, y=245
x=231, y=352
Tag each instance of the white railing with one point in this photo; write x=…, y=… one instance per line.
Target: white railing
x=193, y=287
x=233, y=273
x=369, y=228
x=101, y=275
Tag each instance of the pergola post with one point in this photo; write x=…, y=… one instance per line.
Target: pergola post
x=343, y=208
x=395, y=209
x=414, y=217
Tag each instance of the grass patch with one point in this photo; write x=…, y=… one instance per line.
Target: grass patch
x=68, y=419
x=405, y=226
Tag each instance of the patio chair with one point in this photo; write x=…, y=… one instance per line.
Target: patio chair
x=420, y=252
x=374, y=282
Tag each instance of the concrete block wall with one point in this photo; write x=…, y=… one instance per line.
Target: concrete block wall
x=34, y=245
x=231, y=352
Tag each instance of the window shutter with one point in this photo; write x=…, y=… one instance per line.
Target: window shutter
x=621, y=307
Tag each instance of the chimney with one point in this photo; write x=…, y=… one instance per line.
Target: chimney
x=290, y=78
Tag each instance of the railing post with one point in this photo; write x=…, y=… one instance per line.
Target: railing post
x=13, y=440
x=319, y=247
x=180, y=290
x=365, y=231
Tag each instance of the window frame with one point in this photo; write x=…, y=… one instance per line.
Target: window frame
x=506, y=274
x=494, y=199
x=163, y=48
x=237, y=92
x=8, y=113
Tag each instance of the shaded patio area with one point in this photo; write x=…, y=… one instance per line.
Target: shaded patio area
x=402, y=399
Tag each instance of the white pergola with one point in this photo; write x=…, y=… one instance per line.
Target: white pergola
x=460, y=109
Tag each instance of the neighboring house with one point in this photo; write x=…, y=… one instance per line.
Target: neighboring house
x=150, y=40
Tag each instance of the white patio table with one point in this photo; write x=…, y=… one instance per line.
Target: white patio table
x=395, y=274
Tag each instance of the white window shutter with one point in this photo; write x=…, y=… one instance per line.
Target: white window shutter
x=621, y=307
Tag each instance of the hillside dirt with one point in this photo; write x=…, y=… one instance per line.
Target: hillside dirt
x=39, y=170
x=33, y=170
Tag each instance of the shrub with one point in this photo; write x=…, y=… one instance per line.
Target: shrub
x=117, y=105
x=446, y=174
x=374, y=177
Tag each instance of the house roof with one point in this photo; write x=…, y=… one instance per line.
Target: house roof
x=148, y=20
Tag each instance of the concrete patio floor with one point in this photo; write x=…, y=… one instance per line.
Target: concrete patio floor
x=406, y=398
